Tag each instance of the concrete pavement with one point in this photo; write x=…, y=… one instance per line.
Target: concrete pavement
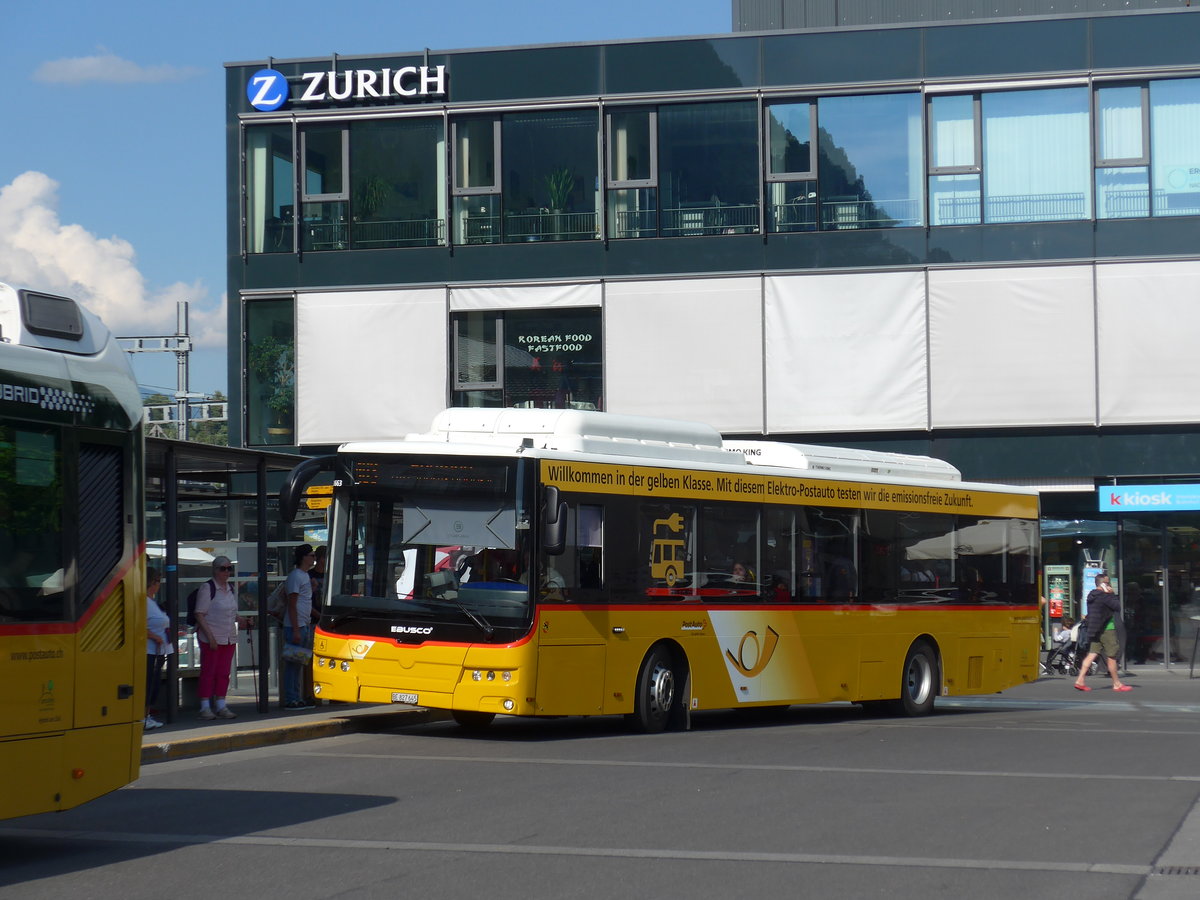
x=190, y=736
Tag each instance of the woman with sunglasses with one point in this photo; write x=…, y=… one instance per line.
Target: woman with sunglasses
x=216, y=629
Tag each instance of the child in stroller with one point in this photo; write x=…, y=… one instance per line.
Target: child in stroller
x=1065, y=651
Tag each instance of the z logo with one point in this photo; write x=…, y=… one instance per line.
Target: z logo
x=760, y=655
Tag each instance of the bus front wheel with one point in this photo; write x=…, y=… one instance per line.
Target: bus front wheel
x=658, y=691
x=919, y=681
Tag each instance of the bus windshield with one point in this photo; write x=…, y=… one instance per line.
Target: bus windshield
x=415, y=552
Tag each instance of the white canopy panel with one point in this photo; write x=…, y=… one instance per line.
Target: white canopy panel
x=1148, y=354
x=687, y=349
x=846, y=352
x=369, y=364
x=1012, y=346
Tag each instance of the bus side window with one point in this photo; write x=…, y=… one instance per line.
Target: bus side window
x=589, y=544
x=779, y=555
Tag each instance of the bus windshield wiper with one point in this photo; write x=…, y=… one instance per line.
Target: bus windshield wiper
x=479, y=621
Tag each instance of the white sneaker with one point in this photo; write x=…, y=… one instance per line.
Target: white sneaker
x=207, y=713
x=151, y=723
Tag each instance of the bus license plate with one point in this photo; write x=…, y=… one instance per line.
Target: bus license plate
x=404, y=698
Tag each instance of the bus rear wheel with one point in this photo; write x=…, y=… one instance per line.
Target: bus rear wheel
x=657, y=692
x=918, y=684
x=472, y=720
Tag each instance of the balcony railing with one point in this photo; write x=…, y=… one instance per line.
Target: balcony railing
x=374, y=235
x=1035, y=208
x=841, y=214
x=550, y=226
x=398, y=233
x=798, y=216
x=715, y=219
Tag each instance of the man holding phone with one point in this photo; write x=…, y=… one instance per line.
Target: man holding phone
x=1103, y=612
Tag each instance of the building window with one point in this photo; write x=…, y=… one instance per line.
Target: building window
x=1122, y=152
x=1175, y=146
x=270, y=189
x=476, y=180
x=544, y=359
x=397, y=183
x=270, y=353
x=325, y=187
x=708, y=169
x=791, y=167
x=633, y=173
x=955, y=161
x=1036, y=155
x=870, y=168
x=550, y=176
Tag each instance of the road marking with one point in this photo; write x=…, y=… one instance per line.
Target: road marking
x=743, y=767
x=837, y=859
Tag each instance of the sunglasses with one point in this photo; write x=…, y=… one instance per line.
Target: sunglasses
x=224, y=568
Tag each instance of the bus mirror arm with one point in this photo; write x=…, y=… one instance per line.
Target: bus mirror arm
x=293, y=487
x=554, y=522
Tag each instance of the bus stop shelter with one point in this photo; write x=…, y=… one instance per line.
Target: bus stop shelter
x=201, y=494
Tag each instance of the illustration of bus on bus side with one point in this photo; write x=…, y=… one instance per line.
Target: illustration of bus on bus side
x=667, y=554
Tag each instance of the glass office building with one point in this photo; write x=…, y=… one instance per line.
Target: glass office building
x=978, y=241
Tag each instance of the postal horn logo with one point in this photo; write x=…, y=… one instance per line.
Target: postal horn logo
x=267, y=90
x=752, y=657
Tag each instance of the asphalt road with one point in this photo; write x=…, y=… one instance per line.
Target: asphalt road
x=1040, y=792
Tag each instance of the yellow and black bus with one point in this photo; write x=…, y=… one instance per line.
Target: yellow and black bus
x=72, y=593
x=563, y=562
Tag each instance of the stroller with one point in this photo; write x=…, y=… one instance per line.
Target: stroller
x=1065, y=656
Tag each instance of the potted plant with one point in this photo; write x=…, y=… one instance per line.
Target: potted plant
x=372, y=194
x=559, y=185
x=272, y=361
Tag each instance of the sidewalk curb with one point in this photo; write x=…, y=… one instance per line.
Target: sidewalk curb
x=281, y=733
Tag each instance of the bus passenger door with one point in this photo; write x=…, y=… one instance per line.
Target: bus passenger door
x=571, y=654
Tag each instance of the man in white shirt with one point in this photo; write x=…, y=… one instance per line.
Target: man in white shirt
x=297, y=629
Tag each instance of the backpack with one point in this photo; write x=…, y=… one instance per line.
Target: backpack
x=191, y=600
x=277, y=602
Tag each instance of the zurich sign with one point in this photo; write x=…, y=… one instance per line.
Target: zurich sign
x=267, y=90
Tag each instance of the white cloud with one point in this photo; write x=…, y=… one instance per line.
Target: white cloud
x=39, y=251
x=108, y=68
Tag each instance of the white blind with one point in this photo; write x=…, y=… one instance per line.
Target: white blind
x=369, y=364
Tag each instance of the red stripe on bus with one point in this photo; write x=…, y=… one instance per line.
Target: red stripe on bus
x=93, y=607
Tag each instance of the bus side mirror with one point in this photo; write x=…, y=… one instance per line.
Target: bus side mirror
x=554, y=522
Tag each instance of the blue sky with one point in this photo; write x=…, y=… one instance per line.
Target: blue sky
x=112, y=162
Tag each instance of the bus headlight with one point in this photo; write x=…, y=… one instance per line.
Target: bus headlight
x=345, y=665
x=508, y=705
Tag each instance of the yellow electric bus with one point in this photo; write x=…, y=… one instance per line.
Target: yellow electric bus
x=72, y=607
x=562, y=562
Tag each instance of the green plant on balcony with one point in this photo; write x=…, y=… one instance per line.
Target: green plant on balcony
x=370, y=197
x=559, y=185
x=273, y=362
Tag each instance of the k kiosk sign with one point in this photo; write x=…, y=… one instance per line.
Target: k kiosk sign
x=1149, y=498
